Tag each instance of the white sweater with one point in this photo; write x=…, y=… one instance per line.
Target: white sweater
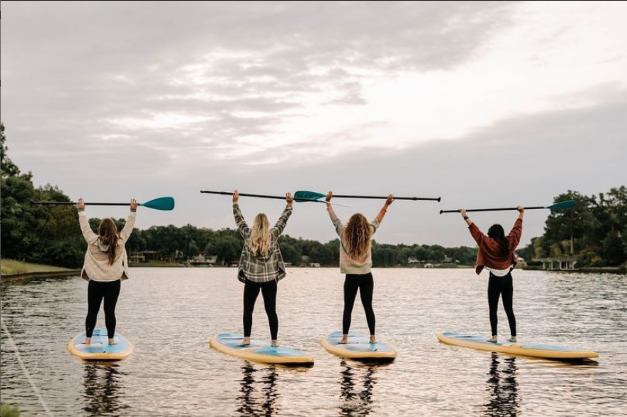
x=96, y=266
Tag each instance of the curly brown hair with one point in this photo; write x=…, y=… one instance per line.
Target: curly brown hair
x=356, y=236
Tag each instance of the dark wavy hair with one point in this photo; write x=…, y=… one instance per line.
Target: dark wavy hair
x=497, y=233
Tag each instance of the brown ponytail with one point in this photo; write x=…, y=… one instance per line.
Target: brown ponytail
x=497, y=233
x=108, y=232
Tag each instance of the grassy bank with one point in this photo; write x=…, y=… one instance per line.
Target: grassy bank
x=10, y=267
x=9, y=411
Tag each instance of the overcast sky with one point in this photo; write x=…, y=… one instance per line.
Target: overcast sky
x=484, y=104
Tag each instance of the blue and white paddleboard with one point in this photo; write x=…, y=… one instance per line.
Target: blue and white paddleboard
x=515, y=348
x=100, y=349
x=259, y=351
x=358, y=347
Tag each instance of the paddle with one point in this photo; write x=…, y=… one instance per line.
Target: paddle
x=311, y=195
x=163, y=203
x=557, y=206
x=276, y=197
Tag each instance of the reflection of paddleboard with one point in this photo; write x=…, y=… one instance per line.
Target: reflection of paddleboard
x=99, y=349
x=358, y=347
x=259, y=351
x=527, y=349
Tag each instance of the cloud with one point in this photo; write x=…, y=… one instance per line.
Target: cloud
x=479, y=102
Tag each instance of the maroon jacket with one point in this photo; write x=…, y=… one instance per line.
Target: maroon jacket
x=489, y=249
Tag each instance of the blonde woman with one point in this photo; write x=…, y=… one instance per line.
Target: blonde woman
x=261, y=265
x=356, y=262
x=106, y=264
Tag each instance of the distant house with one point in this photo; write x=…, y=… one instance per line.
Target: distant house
x=411, y=260
x=560, y=264
x=314, y=265
x=428, y=265
x=145, y=256
x=136, y=258
x=152, y=255
x=203, y=260
x=447, y=259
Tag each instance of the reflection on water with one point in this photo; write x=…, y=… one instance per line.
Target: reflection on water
x=502, y=387
x=356, y=400
x=258, y=397
x=174, y=372
x=102, y=384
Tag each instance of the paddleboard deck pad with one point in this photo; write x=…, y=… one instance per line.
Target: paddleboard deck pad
x=259, y=351
x=100, y=349
x=526, y=349
x=358, y=347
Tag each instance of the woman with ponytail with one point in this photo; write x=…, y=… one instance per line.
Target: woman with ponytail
x=261, y=265
x=106, y=264
x=496, y=254
x=356, y=262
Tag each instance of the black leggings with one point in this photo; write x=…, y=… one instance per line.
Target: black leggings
x=268, y=290
x=496, y=286
x=365, y=284
x=96, y=291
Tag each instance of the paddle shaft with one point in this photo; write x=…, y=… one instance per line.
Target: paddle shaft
x=493, y=209
x=70, y=203
x=275, y=197
x=385, y=198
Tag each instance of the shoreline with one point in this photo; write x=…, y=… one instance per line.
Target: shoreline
x=39, y=274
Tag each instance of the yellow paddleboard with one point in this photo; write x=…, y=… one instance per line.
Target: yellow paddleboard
x=526, y=349
x=358, y=347
x=100, y=349
x=259, y=351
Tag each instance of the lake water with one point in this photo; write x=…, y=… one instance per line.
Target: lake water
x=170, y=315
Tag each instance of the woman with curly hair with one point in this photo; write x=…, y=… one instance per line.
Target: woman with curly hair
x=356, y=262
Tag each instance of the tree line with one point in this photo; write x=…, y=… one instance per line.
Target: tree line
x=595, y=230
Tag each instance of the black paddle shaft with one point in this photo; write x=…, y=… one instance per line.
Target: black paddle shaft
x=70, y=203
x=275, y=197
x=385, y=198
x=493, y=209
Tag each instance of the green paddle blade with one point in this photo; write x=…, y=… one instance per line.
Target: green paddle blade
x=163, y=203
x=562, y=205
x=307, y=196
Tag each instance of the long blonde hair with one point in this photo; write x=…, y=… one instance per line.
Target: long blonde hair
x=356, y=236
x=259, y=240
x=108, y=232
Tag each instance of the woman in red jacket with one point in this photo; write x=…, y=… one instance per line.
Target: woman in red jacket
x=496, y=254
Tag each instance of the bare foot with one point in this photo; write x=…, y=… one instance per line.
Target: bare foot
x=275, y=343
x=344, y=339
x=113, y=342
x=245, y=342
x=373, y=339
x=493, y=339
x=87, y=341
x=512, y=339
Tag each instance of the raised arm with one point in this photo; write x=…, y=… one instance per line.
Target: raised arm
x=384, y=209
x=242, y=227
x=334, y=219
x=130, y=221
x=88, y=234
x=516, y=233
x=282, y=222
x=473, y=229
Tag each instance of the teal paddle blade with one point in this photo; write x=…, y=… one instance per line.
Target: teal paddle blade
x=307, y=196
x=163, y=203
x=562, y=205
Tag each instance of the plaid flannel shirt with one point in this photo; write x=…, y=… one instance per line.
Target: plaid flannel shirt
x=258, y=268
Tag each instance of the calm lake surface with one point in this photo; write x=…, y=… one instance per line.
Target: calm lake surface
x=170, y=315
